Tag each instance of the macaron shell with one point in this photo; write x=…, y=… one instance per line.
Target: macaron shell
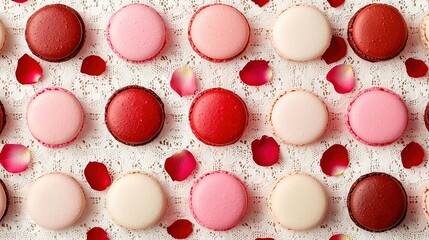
x=3, y=200
x=424, y=32
x=2, y=35
x=2, y=117
x=136, y=33
x=301, y=33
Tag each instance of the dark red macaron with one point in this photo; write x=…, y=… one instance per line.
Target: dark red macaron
x=218, y=117
x=2, y=117
x=134, y=115
x=377, y=202
x=55, y=33
x=377, y=32
x=426, y=116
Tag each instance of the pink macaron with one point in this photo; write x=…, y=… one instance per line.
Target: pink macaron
x=218, y=200
x=55, y=117
x=136, y=33
x=377, y=116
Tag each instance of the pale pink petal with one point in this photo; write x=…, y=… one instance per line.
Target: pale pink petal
x=184, y=81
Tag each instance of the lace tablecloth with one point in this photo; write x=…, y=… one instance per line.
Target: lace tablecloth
x=97, y=144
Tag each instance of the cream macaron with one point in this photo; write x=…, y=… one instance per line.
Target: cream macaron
x=424, y=32
x=2, y=35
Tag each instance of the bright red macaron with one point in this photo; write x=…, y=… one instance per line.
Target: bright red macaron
x=218, y=117
x=134, y=115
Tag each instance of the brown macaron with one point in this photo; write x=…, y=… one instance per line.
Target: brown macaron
x=377, y=32
x=55, y=33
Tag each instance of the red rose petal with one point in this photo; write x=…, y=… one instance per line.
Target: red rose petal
x=336, y=3
x=265, y=151
x=260, y=3
x=339, y=237
x=334, y=160
x=15, y=158
x=180, y=229
x=416, y=68
x=97, y=233
x=97, y=175
x=28, y=70
x=180, y=165
x=93, y=66
x=19, y=1
x=184, y=81
x=412, y=155
x=342, y=77
x=256, y=73
x=336, y=51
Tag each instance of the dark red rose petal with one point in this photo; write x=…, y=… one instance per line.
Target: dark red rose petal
x=97, y=233
x=265, y=151
x=336, y=51
x=336, y=3
x=93, y=66
x=256, y=73
x=412, y=155
x=180, y=229
x=28, y=70
x=260, y=3
x=180, y=165
x=339, y=237
x=97, y=175
x=416, y=68
x=19, y=1
x=334, y=160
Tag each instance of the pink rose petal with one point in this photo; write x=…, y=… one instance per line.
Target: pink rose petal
x=334, y=160
x=15, y=158
x=256, y=73
x=260, y=3
x=97, y=233
x=97, y=175
x=28, y=70
x=184, y=81
x=19, y=1
x=265, y=151
x=336, y=51
x=93, y=66
x=339, y=237
x=336, y=3
x=342, y=77
x=180, y=229
x=416, y=68
x=180, y=165
x=412, y=155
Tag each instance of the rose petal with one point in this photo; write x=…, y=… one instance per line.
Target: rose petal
x=416, y=68
x=342, y=77
x=180, y=165
x=184, y=81
x=334, y=160
x=336, y=3
x=264, y=239
x=93, y=66
x=97, y=233
x=412, y=155
x=260, y=3
x=19, y=1
x=339, y=237
x=180, y=229
x=265, y=151
x=97, y=175
x=336, y=51
x=28, y=70
x=256, y=73
x=15, y=158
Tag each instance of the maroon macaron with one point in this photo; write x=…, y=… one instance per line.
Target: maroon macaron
x=2, y=117
x=218, y=117
x=377, y=32
x=377, y=202
x=134, y=115
x=55, y=33
x=426, y=116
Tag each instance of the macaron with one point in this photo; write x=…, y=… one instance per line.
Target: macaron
x=426, y=116
x=55, y=117
x=424, y=32
x=377, y=32
x=136, y=201
x=377, y=202
x=55, y=33
x=2, y=117
x=55, y=201
x=4, y=201
x=2, y=35
x=136, y=33
x=298, y=117
x=301, y=33
x=218, y=117
x=134, y=115
x=218, y=200
x=377, y=116
x=299, y=202
x=218, y=32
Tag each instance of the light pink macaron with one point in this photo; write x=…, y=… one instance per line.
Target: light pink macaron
x=218, y=200
x=377, y=116
x=137, y=33
x=55, y=117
